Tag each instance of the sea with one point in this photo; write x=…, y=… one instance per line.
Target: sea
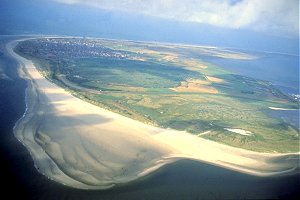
x=184, y=179
x=282, y=70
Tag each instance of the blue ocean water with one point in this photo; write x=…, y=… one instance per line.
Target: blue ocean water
x=282, y=70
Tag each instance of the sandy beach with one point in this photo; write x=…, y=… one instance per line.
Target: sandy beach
x=84, y=146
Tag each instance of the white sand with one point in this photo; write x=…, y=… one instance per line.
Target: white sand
x=81, y=145
x=239, y=131
x=275, y=108
x=204, y=133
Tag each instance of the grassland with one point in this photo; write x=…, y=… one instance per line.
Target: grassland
x=172, y=87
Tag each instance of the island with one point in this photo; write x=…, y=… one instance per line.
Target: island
x=105, y=112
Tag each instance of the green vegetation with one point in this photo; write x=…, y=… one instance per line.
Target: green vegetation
x=139, y=83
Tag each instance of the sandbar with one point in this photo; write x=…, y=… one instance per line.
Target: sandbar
x=84, y=146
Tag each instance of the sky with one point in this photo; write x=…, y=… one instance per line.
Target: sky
x=269, y=25
x=279, y=17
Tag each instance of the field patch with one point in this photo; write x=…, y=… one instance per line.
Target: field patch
x=195, y=85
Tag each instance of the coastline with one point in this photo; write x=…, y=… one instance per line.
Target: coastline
x=51, y=109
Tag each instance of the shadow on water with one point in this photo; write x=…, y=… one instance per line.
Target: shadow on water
x=184, y=179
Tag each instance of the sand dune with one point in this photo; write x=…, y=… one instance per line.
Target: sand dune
x=81, y=145
x=239, y=131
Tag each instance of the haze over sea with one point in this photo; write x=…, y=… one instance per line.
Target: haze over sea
x=281, y=70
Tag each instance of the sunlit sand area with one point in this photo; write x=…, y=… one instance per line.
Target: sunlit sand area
x=194, y=85
x=84, y=146
x=275, y=108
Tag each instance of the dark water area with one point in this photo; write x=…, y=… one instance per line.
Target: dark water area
x=184, y=179
x=281, y=70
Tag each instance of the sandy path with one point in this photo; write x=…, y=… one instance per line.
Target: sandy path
x=81, y=145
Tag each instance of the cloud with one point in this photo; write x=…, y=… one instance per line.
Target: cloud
x=277, y=16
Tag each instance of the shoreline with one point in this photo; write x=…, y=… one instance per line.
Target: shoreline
x=146, y=147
